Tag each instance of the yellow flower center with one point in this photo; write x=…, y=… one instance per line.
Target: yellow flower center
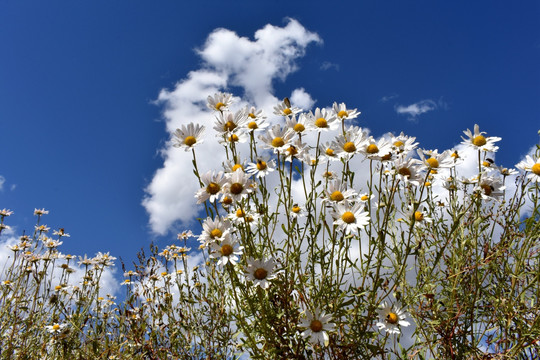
x=479, y=140
x=278, y=142
x=432, y=162
x=216, y=233
x=349, y=147
x=316, y=326
x=229, y=126
x=398, y=143
x=236, y=167
x=57, y=287
x=321, y=123
x=287, y=111
x=237, y=188
x=329, y=152
x=56, y=327
x=292, y=150
x=536, y=168
x=433, y=171
x=252, y=115
x=219, y=105
x=261, y=165
x=240, y=213
x=372, y=149
x=364, y=198
x=296, y=209
x=299, y=128
x=392, y=318
x=418, y=216
x=233, y=138
x=487, y=189
x=486, y=163
x=213, y=188
x=260, y=274
x=227, y=200
x=404, y=171
x=226, y=250
x=348, y=217
x=427, y=184
x=190, y=140
x=342, y=114
x=337, y=196
x=253, y=125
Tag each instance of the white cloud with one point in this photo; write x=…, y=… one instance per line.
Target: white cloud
x=2, y=181
x=416, y=109
x=228, y=60
x=327, y=65
x=302, y=99
x=388, y=97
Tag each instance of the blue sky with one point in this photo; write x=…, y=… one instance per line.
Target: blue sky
x=81, y=132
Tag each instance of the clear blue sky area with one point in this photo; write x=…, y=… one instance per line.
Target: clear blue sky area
x=80, y=134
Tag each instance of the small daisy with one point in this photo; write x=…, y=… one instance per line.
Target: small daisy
x=260, y=272
x=296, y=149
x=509, y=171
x=317, y=325
x=277, y=139
x=298, y=126
x=297, y=211
x=212, y=187
x=238, y=185
x=262, y=167
x=226, y=251
x=219, y=102
x=337, y=192
x=228, y=123
x=350, y=218
x=40, y=212
x=214, y=230
x=50, y=243
x=187, y=137
x=321, y=120
x=104, y=259
x=256, y=120
x=403, y=144
x=285, y=108
x=532, y=167
x=61, y=233
x=376, y=150
x=55, y=328
x=243, y=217
x=433, y=160
x=349, y=143
x=230, y=166
x=343, y=113
x=490, y=187
x=478, y=141
x=408, y=170
x=419, y=216
x=237, y=137
x=391, y=318
x=5, y=212
x=329, y=151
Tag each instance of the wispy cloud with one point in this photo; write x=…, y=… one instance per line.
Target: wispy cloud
x=414, y=110
x=388, y=98
x=327, y=65
x=2, y=181
x=228, y=60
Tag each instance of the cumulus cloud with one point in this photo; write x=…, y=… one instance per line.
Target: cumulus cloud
x=228, y=60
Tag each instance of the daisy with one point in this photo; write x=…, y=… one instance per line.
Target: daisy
x=408, y=170
x=296, y=149
x=350, y=218
x=490, y=188
x=260, y=272
x=419, y=216
x=55, y=328
x=40, y=212
x=226, y=251
x=5, y=212
x=329, y=151
x=337, y=192
x=50, y=243
x=238, y=185
x=238, y=136
x=376, y=150
x=277, y=139
x=228, y=123
x=256, y=119
x=231, y=166
x=285, y=108
x=434, y=160
x=349, y=143
x=212, y=187
x=297, y=211
x=322, y=120
x=532, y=167
x=219, y=102
x=403, y=144
x=104, y=259
x=478, y=141
x=508, y=171
x=61, y=233
x=214, y=230
x=343, y=113
x=187, y=137
x=317, y=325
x=262, y=167
x=391, y=318
x=243, y=217
x=298, y=126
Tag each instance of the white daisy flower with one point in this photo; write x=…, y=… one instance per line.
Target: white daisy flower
x=238, y=185
x=40, y=212
x=297, y=211
x=478, y=141
x=236, y=137
x=419, y=216
x=391, y=319
x=376, y=150
x=260, y=272
x=403, y=144
x=490, y=187
x=322, y=120
x=50, y=243
x=277, y=139
x=55, y=328
x=219, y=102
x=317, y=326
x=408, y=170
x=434, y=160
x=230, y=166
x=342, y=113
x=285, y=108
x=245, y=216
x=5, y=212
x=296, y=149
x=256, y=119
x=228, y=122
x=349, y=143
x=329, y=151
x=212, y=187
x=226, y=251
x=509, y=171
x=337, y=192
x=187, y=137
x=296, y=125
x=532, y=167
x=262, y=167
x=350, y=218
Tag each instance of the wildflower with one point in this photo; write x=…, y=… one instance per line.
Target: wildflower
x=342, y=113
x=260, y=272
x=296, y=149
x=214, y=230
x=350, y=218
x=239, y=136
x=226, y=251
x=186, y=234
x=322, y=120
x=506, y=171
x=532, y=167
x=104, y=259
x=219, y=102
x=478, y=141
x=231, y=166
x=408, y=170
x=391, y=318
x=349, y=143
x=228, y=123
x=317, y=325
x=329, y=151
x=419, y=216
x=42, y=228
x=5, y=212
x=189, y=136
x=376, y=150
x=50, y=243
x=403, y=144
x=297, y=126
x=85, y=261
x=212, y=187
x=337, y=192
x=297, y=211
x=256, y=120
x=285, y=108
x=61, y=233
x=243, y=216
x=7, y=283
x=238, y=185
x=55, y=328
x=490, y=188
x=434, y=160
x=277, y=139
x=40, y=212
x=262, y=167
